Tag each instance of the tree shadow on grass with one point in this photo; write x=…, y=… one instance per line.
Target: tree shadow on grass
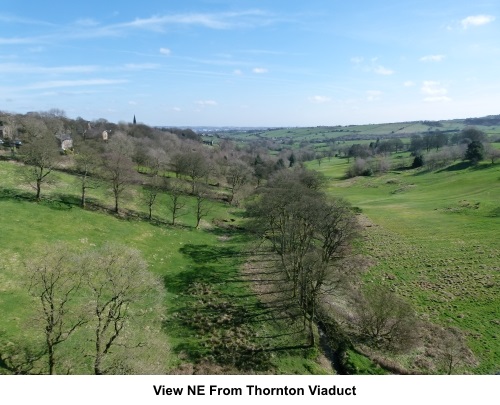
x=236, y=233
x=217, y=319
x=494, y=213
x=456, y=167
x=201, y=254
x=16, y=195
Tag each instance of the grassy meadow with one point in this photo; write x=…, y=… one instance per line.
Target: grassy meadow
x=211, y=316
x=432, y=236
x=435, y=238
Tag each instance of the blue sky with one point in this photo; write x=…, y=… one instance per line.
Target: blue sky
x=251, y=63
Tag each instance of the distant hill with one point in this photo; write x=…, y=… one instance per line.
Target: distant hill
x=489, y=124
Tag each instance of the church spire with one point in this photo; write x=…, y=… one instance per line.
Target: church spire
x=135, y=122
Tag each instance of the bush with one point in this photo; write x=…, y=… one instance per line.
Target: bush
x=386, y=321
x=417, y=162
x=360, y=167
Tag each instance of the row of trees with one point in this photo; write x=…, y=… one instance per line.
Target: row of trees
x=471, y=146
x=152, y=152
x=310, y=233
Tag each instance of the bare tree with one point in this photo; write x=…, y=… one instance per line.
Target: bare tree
x=54, y=282
x=87, y=165
x=118, y=278
x=178, y=164
x=238, y=175
x=41, y=157
x=118, y=167
x=386, y=320
x=202, y=207
x=155, y=161
x=452, y=350
x=175, y=202
x=492, y=153
x=310, y=235
x=195, y=166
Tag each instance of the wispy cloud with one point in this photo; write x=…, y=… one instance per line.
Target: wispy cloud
x=73, y=83
x=165, y=51
x=381, y=70
x=432, y=58
x=20, y=40
x=259, y=70
x=434, y=91
x=61, y=70
x=33, y=69
x=371, y=66
x=87, y=22
x=217, y=21
x=89, y=28
x=139, y=66
x=373, y=95
x=477, y=20
x=205, y=103
x=319, y=99
x=409, y=83
x=12, y=19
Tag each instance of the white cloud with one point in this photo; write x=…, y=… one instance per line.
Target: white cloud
x=432, y=58
x=132, y=103
x=177, y=109
x=357, y=60
x=381, y=70
x=140, y=66
x=165, y=51
x=409, y=83
x=206, y=103
x=237, y=72
x=434, y=92
x=477, y=20
x=433, y=88
x=34, y=69
x=319, y=99
x=438, y=99
x=373, y=95
x=218, y=21
x=19, y=41
x=74, y=83
x=259, y=70
x=87, y=22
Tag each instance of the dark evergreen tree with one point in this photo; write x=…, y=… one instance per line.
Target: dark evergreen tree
x=475, y=152
x=417, y=162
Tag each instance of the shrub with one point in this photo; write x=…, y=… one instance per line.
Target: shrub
x=417, y=162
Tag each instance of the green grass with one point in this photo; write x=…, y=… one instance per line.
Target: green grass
x=184, y=257
x=435, y=238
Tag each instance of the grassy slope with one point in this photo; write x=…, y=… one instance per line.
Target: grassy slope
x=436, y=239
x=181, y=255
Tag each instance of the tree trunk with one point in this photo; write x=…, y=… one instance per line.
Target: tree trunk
x=83, y=203
x=38, y=189
x=52, y=361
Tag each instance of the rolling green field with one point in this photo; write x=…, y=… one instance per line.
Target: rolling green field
x=362, y=132
x=435, y=238
x=200, y=269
